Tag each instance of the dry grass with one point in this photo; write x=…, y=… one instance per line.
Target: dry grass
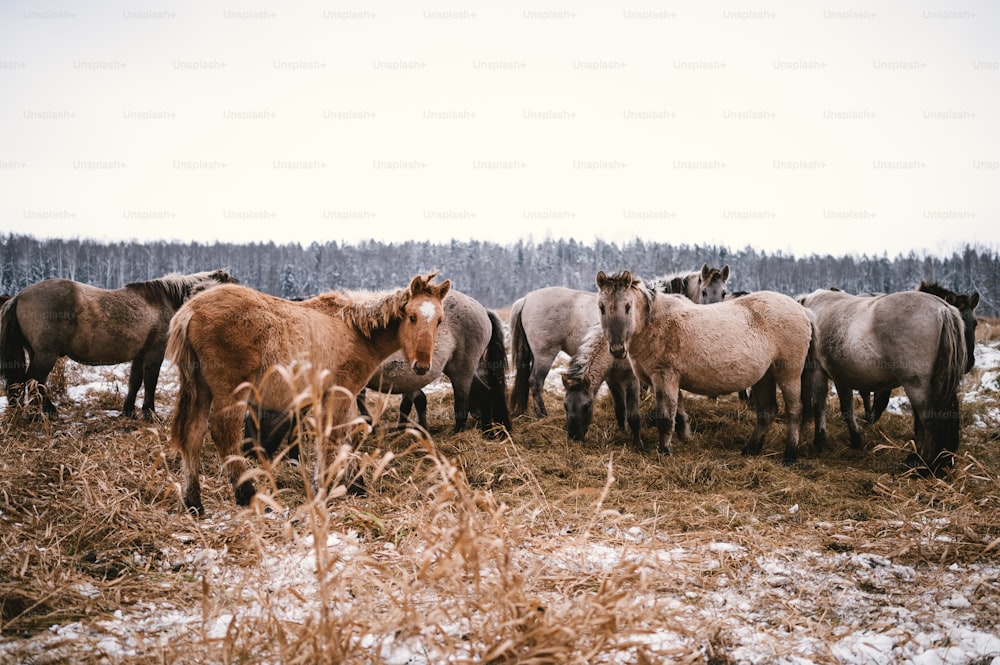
x=468, y=548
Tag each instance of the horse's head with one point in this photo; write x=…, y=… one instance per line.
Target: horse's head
x=422, y=316
x=616, y=301
x=713, y=284
x=579, y=406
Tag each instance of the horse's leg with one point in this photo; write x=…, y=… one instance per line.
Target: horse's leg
x=682, y=424
x=791, y=395
x=765, y=402
x=415, y=399
x=880, y=404
x=632, y=389
x=191, y=415
x=818, y=395
x=619, y=400
x=226, y=425
x=536, y=382
x=866, y=402
x=150, y=377
x=461, y=390
x=846, y=397
x=666, y=387
x=39, y=368
x=134, y=382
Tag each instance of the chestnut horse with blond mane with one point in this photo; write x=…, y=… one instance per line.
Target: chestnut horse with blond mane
x=227, y=343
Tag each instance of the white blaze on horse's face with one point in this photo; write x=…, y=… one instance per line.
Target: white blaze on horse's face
x=429, y=311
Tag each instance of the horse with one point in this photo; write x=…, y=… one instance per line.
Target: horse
x=589, y=367
x=761, y=340
x=555, y=318
x=470, y=351
x=94, y=326
x=229, y=342
x=543, y=323
x=874, y=343
x=592, y=364
x=966, y=306
x=704, y=286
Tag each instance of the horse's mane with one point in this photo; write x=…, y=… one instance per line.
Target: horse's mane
x=957, y=300
x=677, y=282
x=370, y=311
x=582, y=360
x=175, y=288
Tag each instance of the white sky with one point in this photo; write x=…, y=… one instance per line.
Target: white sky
x=799, y=127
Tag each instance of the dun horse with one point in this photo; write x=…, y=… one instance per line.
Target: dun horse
x=554, y=318
x=593, y=364
x=911, y=339
x=966, y=306
x=228, y=341
x=94, y=326
x=760, y=340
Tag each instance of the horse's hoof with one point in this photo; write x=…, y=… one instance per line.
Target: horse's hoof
x=244, y=494
x=665, y=450
x=195, y=509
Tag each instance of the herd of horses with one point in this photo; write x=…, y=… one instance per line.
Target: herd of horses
x=252, y=365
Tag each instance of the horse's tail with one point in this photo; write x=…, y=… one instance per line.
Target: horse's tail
x=523, y=360
x=182, y=355
x=943, y=423
x=496, y=377
x=12, y=345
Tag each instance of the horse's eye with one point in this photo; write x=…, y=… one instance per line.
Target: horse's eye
x=628, y=307
x=723, y=294
x=602, y=308
x=704, y=292
x=413, y=318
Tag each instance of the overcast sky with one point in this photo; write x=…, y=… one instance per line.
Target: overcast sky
x=848, y=128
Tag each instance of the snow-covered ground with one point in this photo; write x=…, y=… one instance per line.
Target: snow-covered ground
x=887, y=612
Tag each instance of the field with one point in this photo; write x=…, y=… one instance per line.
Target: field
x=526, y=548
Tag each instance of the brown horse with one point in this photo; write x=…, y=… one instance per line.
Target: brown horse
x=230, y=343
x=760, y=340
x=93, y=326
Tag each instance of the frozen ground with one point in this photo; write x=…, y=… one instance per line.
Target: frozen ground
x=886, y=612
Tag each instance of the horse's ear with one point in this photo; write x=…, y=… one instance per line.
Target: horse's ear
x=569, y=381
x=725, y=273
x=602, y=279
x=974, y=300
x=442, y=288
x=704, y=271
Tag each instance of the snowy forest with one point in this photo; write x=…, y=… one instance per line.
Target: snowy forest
x=494, y=274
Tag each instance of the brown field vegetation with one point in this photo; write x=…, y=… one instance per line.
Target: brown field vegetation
x=475, y=549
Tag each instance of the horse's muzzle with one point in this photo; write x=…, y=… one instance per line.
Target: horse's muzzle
x=618, y=350
x=420, y=368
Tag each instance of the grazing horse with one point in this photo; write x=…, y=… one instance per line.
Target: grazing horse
x=760, y=340
x=911, y=339
x=470, y=351
x=590, y=366
x=593, y=364
x=543, y=323
x=227, y=343
x=966, y=306
x=94, y=326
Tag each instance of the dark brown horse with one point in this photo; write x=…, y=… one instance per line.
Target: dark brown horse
x=232, y=344
x=93, y=326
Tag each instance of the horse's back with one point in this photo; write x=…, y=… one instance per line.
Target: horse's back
x=558, y=317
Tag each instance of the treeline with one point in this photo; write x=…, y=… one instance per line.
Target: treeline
x=494, y=274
